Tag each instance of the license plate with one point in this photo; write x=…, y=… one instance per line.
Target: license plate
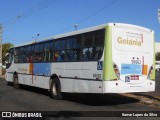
x=134, y=77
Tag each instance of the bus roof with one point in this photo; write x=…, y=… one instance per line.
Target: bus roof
x=76, y=32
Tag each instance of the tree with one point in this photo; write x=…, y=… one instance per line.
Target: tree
x=5, y=48
x=158, y=56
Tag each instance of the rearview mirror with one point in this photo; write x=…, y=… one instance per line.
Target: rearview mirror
x=8, y=58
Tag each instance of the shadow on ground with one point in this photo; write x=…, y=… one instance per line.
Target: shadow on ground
x=87, y=99
x=99, y=99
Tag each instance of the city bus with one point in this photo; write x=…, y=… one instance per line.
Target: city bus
x=108, y=58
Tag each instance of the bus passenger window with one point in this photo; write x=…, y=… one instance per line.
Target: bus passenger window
x=28, y=49
x=58, y=45
x=37, y=48
x=41, y=48
x=51, y=46
x=77, y=54
x=32, y=49
x=17, y=51
x=99, y=37
x=70, y=43
x=61, y=56
x=86, y=54
x=56, y=55
x=78, y=42
x=63, y=45
x=100, y=52
x=88, y=39
x=69, y=55
x=46, y=47
x=22, y=58
x=96, y=53
x=46, y=57
x=37, y=58
x=16, y=59
x=29, y=59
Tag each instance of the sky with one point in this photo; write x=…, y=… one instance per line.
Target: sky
x=23, y=20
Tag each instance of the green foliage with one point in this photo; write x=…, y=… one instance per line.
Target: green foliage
x=5, y=48
x=158, y=56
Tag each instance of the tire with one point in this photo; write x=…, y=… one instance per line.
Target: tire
x=15, y=82
x=55, y=89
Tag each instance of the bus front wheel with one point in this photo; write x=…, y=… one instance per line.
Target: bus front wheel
x=55, y=89
x=15, y=82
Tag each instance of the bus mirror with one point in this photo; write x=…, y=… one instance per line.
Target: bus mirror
x=7, y=58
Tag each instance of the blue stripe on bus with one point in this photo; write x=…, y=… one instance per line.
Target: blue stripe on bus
x=42, y=68
x=131, y=69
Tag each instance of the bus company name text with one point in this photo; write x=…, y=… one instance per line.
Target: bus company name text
x=129, y=41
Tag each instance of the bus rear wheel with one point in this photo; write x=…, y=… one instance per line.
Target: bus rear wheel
x=15, y=82
x=55, y=89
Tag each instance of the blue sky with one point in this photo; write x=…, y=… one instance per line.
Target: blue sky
x=24, y=19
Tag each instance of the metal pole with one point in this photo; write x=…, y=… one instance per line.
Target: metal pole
x=158, y=15
x=1, y=32
x=76, y=26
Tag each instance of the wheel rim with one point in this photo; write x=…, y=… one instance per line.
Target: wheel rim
x=15, y=82
x=54, y=89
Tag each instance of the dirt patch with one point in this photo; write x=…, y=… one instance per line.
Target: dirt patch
x=146, y=99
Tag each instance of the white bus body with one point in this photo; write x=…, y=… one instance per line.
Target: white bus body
x=126, y=64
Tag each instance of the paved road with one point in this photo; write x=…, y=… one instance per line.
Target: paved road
x=34, y=99
x=156, y=93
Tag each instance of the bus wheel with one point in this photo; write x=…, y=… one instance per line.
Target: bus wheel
x=55, y=89
x=15, y=82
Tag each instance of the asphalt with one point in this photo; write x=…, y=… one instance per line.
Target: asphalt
x=149, y=98
x=156, y=93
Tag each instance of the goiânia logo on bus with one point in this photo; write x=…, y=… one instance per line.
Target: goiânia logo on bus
x=128, y=41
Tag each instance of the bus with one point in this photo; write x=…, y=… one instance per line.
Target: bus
x=108, y=58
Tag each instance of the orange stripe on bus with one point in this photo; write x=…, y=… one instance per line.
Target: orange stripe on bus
x=145, y=69
x=31, y=68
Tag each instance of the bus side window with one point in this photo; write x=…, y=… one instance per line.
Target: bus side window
x=56, y=55
x=96, y=53
x=29, y=58
x=46, y=52
x=70, y=43
x=59, y=51
x=11, y=51
x=17, y=53
x=29, y=53
x=57, y=45
x=100, y=52
x=88, y=39
x=51, y=53
x=61, y=56
x=99, y=38
x=77, y=54
x=16, y=59
x=22, y=56
x=87, y=54
x=77, y=48
x=69, y=55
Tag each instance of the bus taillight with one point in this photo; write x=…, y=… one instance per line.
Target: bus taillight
x=150, y=72
x=116, y=70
